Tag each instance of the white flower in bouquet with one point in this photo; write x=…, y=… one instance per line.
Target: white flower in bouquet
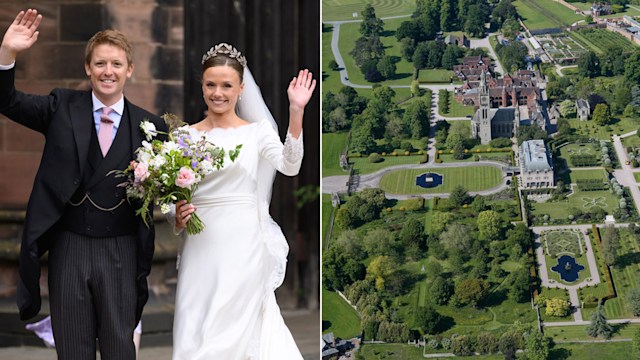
x=157, y=161
x=149, y=130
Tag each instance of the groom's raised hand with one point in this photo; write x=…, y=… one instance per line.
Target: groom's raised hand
x=20, y=35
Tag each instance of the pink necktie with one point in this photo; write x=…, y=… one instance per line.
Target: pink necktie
x=105, y=135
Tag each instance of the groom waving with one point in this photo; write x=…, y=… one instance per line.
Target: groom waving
x=99, y=251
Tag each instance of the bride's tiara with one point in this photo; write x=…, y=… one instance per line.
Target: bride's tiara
x=227, y=50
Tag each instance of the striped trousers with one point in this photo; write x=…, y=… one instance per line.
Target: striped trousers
x=92, y=295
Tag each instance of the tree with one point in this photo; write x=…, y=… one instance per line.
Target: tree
x=446, y=15
x=420, y=56
x=512, y=56
x=408, y=30
x=340, y=270
x=333, y=65
x=416, y=119
x=387, y=67
x=381, y=270
x=610, y=244
x=589, y=65
x=601, y=115
x=510, y=29
x=508, y=344
x=362, y=139
x=462, y=345
x=474, y=24
x=599, y=325
x=459, y=196
x=412, y=237
x=519, y=291
x=520, y=235
x=633, y=301
x=568, y=108
x=367, y=48
x=435, y=50
x=408, y=46
x=450, y=56
x=427, y=319
x=489, y=225
x=530, y=132
x=486, y=343
x=632, y=68
x=379, y=242
x=370, y=25
x=558, y=307
x=440, y=291
x=503, y=11
x=471, y=291
x=337, y=120
x=456, y=239
x=439, y=222
x=537, y=346
x=370, y=70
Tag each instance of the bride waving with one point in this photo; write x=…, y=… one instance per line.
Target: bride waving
x=225, y=303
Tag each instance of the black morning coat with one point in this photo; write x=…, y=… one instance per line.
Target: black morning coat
x=65, y=118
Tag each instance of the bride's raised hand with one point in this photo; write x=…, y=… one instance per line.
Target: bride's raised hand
x=300, y=89
x=22, y=33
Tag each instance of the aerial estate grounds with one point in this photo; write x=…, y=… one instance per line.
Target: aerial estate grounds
x=472, y=178
x=427, y=240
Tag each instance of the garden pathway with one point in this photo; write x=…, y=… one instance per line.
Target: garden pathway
x=573, y=289
x=625, y=175
x=338, y=183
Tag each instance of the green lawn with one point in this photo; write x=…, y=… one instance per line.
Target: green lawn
x=456, y=109
x=363, y=166
x=474, y=178
x=625, y=276
x=436, y=76
x=332, y=146
x=330, y=78
x=540, y=14
x=636, y=176
x=333, y=10
x=578, y=332
x=576, y=174
x=338, y=316
x=622, y=126
x=566, y=152
x=580, y=199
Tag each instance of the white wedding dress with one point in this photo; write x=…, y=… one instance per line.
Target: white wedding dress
x=225, y=302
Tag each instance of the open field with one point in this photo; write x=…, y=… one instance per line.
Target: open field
x=471, y=178
x=541, y=14
x=332, y=146
x=333, y=10
x=338, y=316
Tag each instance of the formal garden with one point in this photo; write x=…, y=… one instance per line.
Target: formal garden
x=565, y=256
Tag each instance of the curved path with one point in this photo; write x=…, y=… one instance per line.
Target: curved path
x=338, y=183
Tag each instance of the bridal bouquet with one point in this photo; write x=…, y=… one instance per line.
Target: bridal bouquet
x=169, y=171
